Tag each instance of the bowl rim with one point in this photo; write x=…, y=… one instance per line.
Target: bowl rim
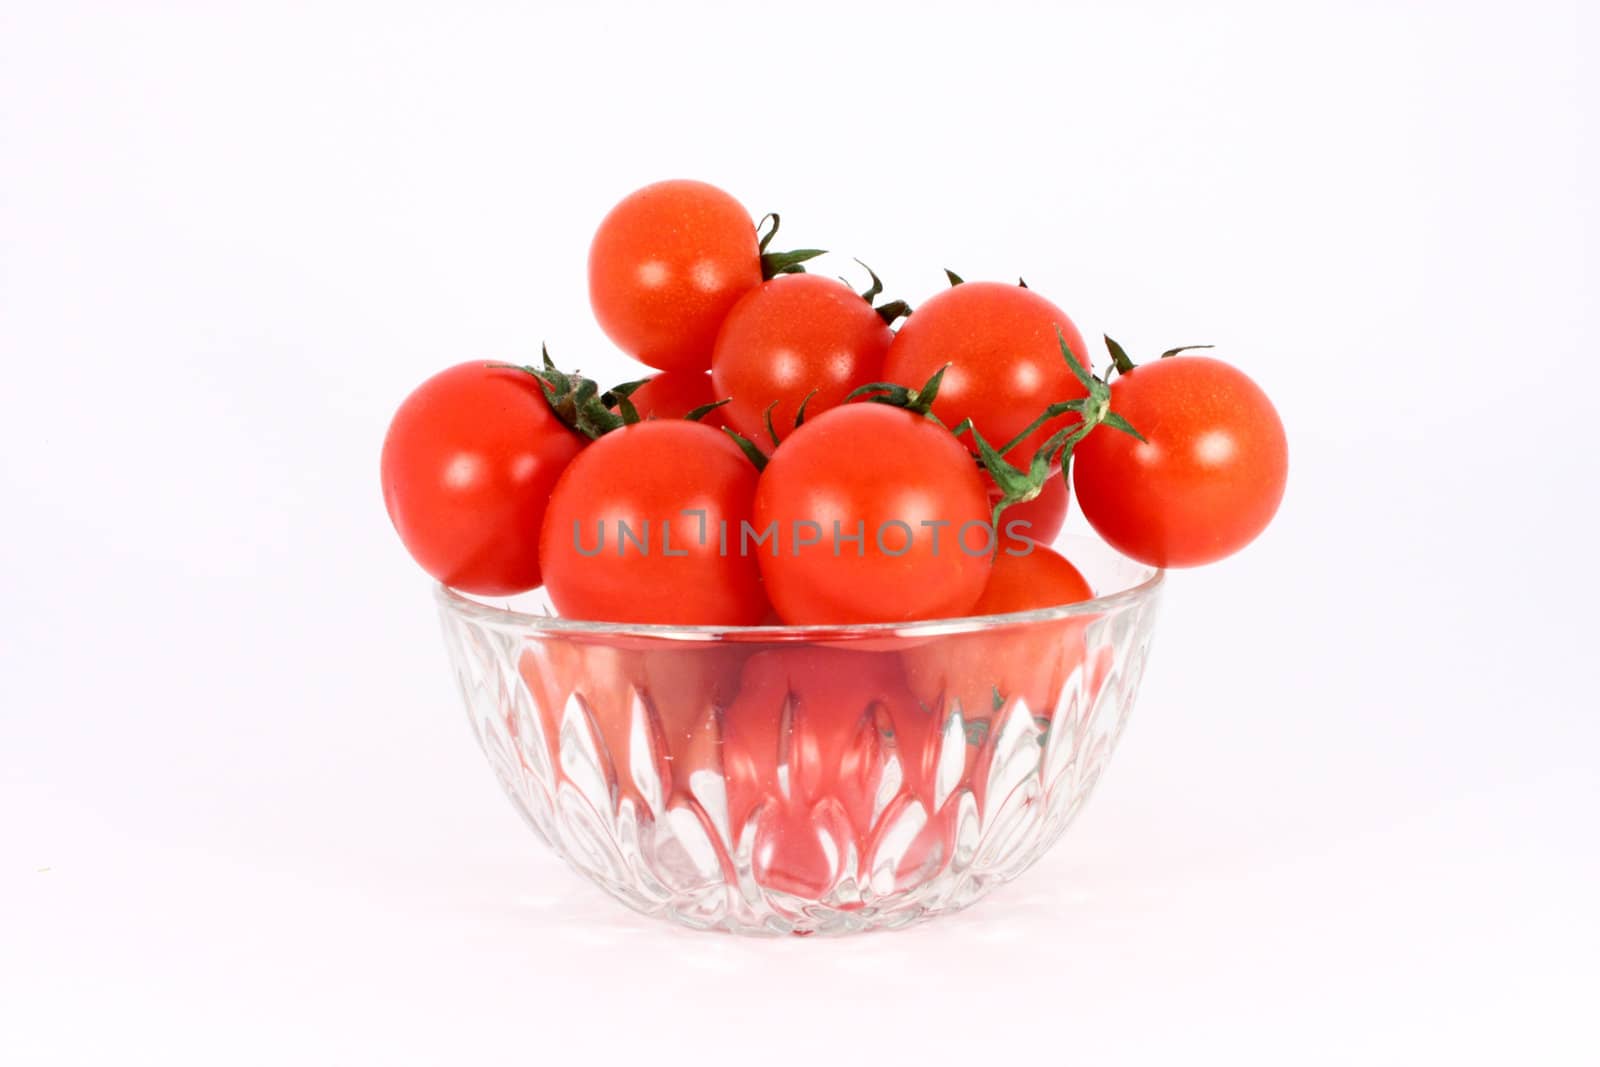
x=505, y=618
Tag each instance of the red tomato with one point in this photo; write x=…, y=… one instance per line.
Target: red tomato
x=621, y=540
x=467, y=467
x=1208, y=477
x=906, y=486
x=1045, y=514
x=673, y=394
x=1042, y=578
x=666, y=265
x=1005, y=360
x=788, y=337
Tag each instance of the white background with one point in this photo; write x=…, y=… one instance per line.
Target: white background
x=241, y=816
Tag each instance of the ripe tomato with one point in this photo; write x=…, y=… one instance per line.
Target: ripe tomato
x=633, y=531
x=1206, y=480
x=1043, y=578
x=666, y=265
x=468, y=464
x=902, y=483
x=1005, y=360
x=1045, y=514
x=788, y=337
x=673, y=394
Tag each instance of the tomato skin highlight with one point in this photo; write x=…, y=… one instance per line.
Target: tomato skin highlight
x=787, y=337
x=1045, y=514
x=468, y=464
x=868, y=467
x=645, y=477
x=673, y=394
x=1208, y=479
x=665, y=266
x=1005, y=360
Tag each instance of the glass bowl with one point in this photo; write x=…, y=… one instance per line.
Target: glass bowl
x=805, y=779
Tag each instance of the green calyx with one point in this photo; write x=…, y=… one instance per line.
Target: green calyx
x=1123, y=365
x=585, y=408
x=916, y=401
x=579, y=402
x=749, y=447
x=751, y=452
x=888, y=311
x=799, y=418
x=696, y=414
x=1094, y=410
x=776, y=263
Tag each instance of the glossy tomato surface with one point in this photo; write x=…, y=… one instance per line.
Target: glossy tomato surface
x=795, y=336
x=468, y=465
x=635, y=527
x=666, y=265
x=901, y=482
x=1005, y=360
x=1208, y=477
x=1040, y=578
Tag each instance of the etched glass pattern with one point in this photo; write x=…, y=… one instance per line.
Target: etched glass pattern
x=805, y=780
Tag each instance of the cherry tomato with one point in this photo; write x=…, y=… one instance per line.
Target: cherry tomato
x=1041, y=578
x=794, y=336
x=673, y=394
x=666, y=265
x=468, y=465
x=902, y=483
x=1209, y=476
x=634, y=529
x=1045, y=514
x=1005, y=360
